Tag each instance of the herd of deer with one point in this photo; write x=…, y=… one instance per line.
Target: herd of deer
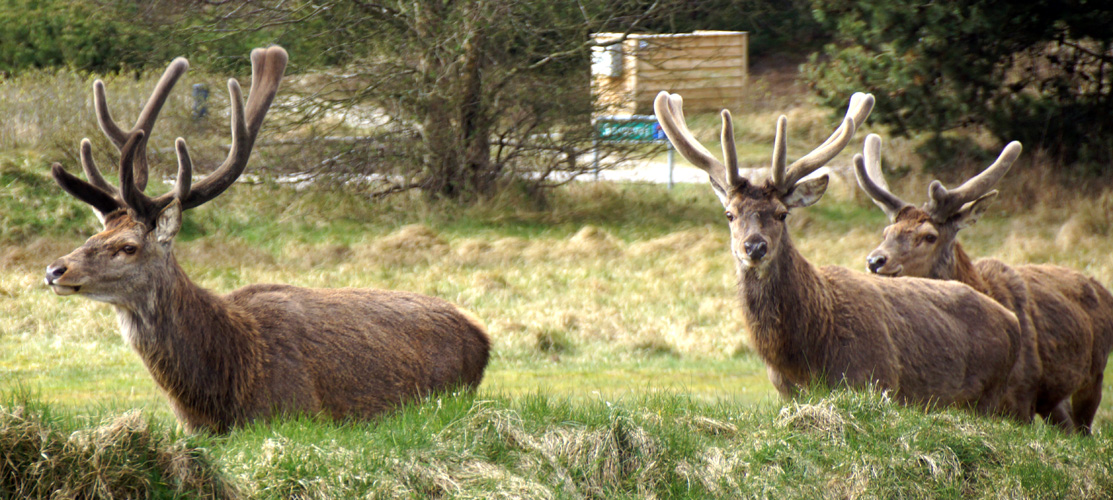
x=1013, y=341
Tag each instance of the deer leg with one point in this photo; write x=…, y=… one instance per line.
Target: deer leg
x=784, y=387
x=1059, y=416
x=1085, y=404
x=1020, y=406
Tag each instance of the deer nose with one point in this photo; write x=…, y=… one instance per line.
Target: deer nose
x=755, y=249
x=876, y=262
x=54, y=271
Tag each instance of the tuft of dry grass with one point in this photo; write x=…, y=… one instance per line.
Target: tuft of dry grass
x=825, y=420
x=409, y=245
x=119, y=458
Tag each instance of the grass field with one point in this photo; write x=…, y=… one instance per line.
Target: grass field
x=620, y=363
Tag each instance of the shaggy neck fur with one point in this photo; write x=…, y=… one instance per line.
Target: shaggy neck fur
x=955, y=264
x=783, y=305
x=200, y=350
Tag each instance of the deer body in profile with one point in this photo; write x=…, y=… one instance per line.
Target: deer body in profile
x=928, y=342
x=261, y=350
x=1068, y=317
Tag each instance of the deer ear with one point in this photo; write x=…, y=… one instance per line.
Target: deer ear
x=719, y=191
x=102, y=217
x=168, y=223
x=809, y=190
x=971, y=212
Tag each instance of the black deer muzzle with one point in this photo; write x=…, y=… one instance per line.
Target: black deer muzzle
x=875, y=262
x=755, y=247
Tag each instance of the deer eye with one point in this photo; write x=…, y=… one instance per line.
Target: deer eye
x=730, y=217
x=781, y=216
x=129, y=249
x=930, y=238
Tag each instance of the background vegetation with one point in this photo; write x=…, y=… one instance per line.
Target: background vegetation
x=1037, y=72
x=463, y=99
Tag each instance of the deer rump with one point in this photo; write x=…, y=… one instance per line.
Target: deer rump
x=344, y=353
x=1073, y=315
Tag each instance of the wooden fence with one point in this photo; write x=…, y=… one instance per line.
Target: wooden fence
x=708, y=68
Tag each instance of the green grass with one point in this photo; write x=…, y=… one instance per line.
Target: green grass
x=841, y=444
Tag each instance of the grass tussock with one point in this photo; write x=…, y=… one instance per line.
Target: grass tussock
x=43, y=456
x=841, y=444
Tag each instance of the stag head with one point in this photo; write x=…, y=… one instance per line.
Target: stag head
x=756, y=213
x=134, y=250
x=919, y=241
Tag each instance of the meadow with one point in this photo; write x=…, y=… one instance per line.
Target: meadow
x=620, y=363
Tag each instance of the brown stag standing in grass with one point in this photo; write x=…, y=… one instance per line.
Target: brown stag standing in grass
x=261, y=350
x=1069, y=314
x=929, y=342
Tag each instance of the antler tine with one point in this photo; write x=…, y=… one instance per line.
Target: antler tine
x=872, y=181
x=861, y=104
x=780, y=152
x=147, y=116
x=101, y=201
x=91, y=171
x=267, y=68
x=185, y=170
x=670, y=112
x=856, y=113
x=730, y=153
x=944, y=203
x=132, y=196
x=185, y=177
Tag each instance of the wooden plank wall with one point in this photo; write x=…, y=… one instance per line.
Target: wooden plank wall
x=708, y=68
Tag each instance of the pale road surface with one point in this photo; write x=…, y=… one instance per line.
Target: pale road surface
x=683, y=172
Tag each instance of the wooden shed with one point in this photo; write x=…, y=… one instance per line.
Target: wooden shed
x=708, y=68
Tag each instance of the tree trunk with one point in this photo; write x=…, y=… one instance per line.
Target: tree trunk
x=474, y=123
x=439, y=156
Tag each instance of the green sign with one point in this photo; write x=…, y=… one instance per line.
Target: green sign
x=629, y=130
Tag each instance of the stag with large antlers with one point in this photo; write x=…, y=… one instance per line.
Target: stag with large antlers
x=261, y=350
x=1069, y=316
x=929, y=342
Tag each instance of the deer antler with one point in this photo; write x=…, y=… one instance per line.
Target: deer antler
x=872, y=181
x=944, y=203
x=785, y=178
x=670, y=111
x=147, y=116
x=267, y=68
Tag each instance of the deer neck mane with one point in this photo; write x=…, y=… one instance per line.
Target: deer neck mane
x=784, y=307
x=956, y=265
x=194, y=344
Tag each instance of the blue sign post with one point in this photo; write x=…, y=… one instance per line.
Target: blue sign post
x=630, y=128
x=200, y=100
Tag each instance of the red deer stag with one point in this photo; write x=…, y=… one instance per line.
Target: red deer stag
x=1069, y=315
x=261, y=350
x=929, y=342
